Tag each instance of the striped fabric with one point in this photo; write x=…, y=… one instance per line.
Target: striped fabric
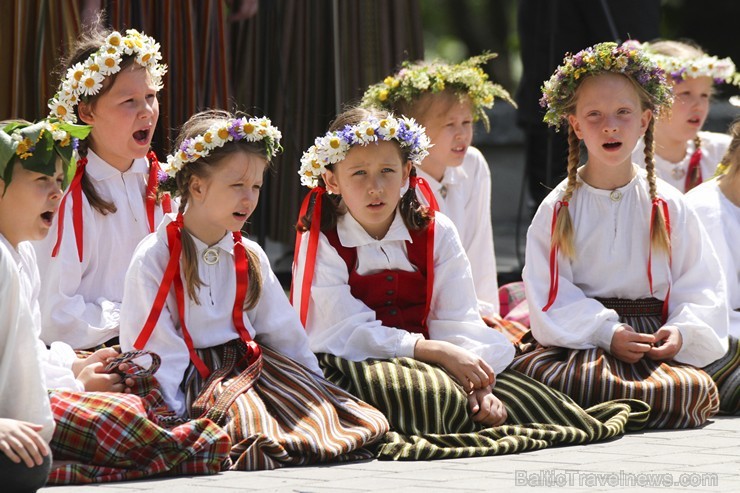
x=680, y=396
x=288, y=416
x=102, y=437
x=726, y=374
x=430, y=418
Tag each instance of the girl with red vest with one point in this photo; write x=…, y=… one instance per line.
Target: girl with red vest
x=385, y=291
x=111, y=83
x=206, y=300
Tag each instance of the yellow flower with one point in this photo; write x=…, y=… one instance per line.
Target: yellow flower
x=383, y=95
x=208, y=138
x=199, y=146
x=248, y=128
x=223, y=133
x=389, y=81
x=315, y=164
x=334, y=143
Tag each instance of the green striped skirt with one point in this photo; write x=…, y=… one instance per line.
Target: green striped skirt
x=726, y=374
x=277, y=412
x=680, y=396
x=430, y=418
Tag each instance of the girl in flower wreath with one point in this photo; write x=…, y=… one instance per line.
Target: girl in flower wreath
x=717, y=203
x=111, y=84
x=684, y=154
x=386, y=294
x=98, y=433
x=232, y=348
x=447, y=99
x=624, y=291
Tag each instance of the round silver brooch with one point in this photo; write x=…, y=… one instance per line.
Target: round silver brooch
x=210, y=256
x=678, y=173
x=615, y=195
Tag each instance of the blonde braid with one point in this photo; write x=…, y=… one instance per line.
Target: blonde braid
x=660, y=239
x=562, y=236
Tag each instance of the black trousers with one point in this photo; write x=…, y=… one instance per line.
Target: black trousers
x=19, y=478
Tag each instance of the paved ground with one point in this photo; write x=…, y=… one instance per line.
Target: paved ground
x=699, y=460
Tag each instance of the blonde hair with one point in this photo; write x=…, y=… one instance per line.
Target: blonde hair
x=563, y=232
x=202, y=168
x=731, y=159
x=418, y=108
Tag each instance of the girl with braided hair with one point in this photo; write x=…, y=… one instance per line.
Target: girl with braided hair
x=624, y=289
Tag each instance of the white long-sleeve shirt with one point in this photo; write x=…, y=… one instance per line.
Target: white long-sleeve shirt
x=339, y=324
x=80, y=301
x=713, y=148
x=721, y=219
x=272, y=321
x=612, y=243
x=468, y=204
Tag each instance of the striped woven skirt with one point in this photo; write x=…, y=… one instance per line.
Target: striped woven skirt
x=278, y=413
x=726, y=374
x=430, y=417
x=102, y=437
x=680, y=396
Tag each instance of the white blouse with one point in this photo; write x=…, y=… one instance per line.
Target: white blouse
x=612, y=244
x=339, y=324
x=80, y=301
x=468, y=204
x=721, y=219
x=271, y=322
x=713, y=148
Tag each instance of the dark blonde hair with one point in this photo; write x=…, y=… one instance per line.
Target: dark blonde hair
x=562, y=235
x=202, y=168
x=419, y=107
x=731, y=159
x=415, y=216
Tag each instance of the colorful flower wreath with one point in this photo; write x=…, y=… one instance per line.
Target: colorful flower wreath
x=85, y=79
x=37, y=146
x=416, y=79
x=333, y=147
x=603, y=58
x=721, y=70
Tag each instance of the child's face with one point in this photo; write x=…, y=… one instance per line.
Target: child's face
x=609, y=119
x=369, y=180
x=28, y=204
x=689, y=111
x=123, y=118
x=229, y=195
x=449, y=125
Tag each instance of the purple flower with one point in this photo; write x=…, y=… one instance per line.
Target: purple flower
x=162, y=176
x=75, y=143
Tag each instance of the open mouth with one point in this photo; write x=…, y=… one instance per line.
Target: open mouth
x=694, y=121
x=458, y=149
x=47, y=217
x=142, y=136
x=612, y=146
x=376, y=205
x=242, y=216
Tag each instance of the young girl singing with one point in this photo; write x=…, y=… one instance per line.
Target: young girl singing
x=100, y=436
x=206, y=300
x=386, y=293
x=111, y=83
x=684, y=154
x=625, y=292
x=717, y=203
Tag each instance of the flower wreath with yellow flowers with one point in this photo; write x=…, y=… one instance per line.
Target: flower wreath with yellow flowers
x=234, y=129
x=416, y=79
x=598, y=59
x=333, y=147
x=85, y=79
x=38, y=145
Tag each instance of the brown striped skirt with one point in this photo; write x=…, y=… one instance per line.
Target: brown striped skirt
x=280, y=413
x=680, y=396
x=430, y=417
x=726, y=374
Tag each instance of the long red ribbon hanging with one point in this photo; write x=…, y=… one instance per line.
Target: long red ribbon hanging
x=693, y=174
x=242, y=285
x=659, y=202
x=426, y=191
x=313, y=245
x=554, y=249
x=75, y=189
x=152, y=185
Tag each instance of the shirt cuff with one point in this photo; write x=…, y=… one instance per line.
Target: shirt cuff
x=604, y=334
x=407, y=344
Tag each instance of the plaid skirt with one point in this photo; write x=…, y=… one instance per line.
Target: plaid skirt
x=278, y=413
x=430, y=417
x=680, y=396
x=514, y=310
x=102, y=437
x=726, y=374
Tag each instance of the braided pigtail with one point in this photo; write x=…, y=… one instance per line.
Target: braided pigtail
x=562, y=235
x=415, y=216
x=88, y=188
x=659, y=237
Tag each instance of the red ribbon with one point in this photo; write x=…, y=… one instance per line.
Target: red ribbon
x=430, y=269
x=659, y=202
x=313, y=245
x=241, y=263
x=426, y=191
x=554, y=249
x=152, y=186
x=693, y=175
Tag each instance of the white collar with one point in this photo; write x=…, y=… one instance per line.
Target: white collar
x=352, y=234
x=100, y=170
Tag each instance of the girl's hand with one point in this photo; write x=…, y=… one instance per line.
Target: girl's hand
x=103, y=355
x=630, y=346
x=94, y=378
x=20, y=441
x=486, y=407
x=668, y=343
x=471, y=371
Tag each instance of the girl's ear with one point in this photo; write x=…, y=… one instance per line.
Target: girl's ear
x=645, y=118
x=330, y=179
x=197, y=188
x=406, y=170
x=84, y=110
x=573, y=121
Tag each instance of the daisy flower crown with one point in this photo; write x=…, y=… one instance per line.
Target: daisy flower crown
x=231, y=130
x=85, y=79
x=721, y=70
x=598, y=59
x=333, y=147
x=416, y=79
x=37, y=146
